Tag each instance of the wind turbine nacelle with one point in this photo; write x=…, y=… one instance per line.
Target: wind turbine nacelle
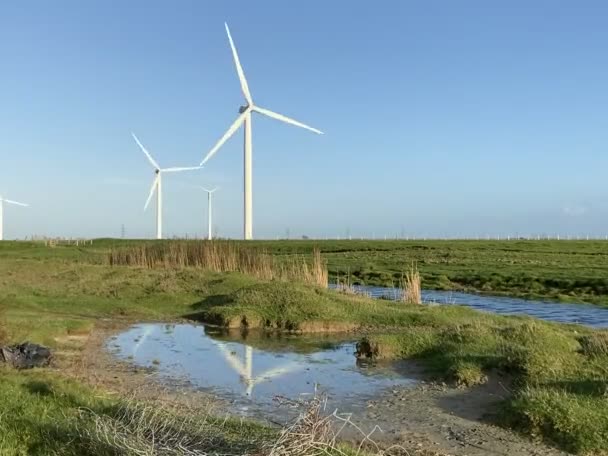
x=242, y=109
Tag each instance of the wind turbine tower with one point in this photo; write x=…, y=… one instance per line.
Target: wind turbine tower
x=7, y=201
x=209, y=211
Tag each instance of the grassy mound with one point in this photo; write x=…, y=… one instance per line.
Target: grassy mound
x=294, y=306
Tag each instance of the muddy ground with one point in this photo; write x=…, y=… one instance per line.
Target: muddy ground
x=428, y=419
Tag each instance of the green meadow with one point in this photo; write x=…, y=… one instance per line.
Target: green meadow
x=558, y=374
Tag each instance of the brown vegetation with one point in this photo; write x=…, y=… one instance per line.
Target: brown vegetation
x=411, y=285
x=222, y=256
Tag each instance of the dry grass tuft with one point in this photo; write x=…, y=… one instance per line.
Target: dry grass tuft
x=316, y=433
x=222, y=256
x=145, y=429
x=595, y=344
x=411, y=285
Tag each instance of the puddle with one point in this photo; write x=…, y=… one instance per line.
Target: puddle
x=251, y=371
x=583, y=314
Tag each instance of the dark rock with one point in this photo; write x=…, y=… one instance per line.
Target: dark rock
x=26, y=355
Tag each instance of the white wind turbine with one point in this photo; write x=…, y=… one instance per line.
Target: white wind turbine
x=7, y=201
x=157, y=185
x=209, y=213
x=245, y=118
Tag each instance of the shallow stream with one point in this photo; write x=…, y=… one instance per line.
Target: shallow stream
x=584, y=314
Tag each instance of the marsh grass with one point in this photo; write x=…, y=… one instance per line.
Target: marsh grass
x=411, y=286
x=223, y=256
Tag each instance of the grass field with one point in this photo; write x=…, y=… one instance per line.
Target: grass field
x=574, y=271
x=563, y=270
x=559, y=373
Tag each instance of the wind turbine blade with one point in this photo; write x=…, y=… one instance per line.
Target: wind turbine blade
x=15, y=202
x=154, y=185
x=156, y=165
x=173, y=170
x=239, y=68
x=234, y=127
x=285, y=119
x=210, y=191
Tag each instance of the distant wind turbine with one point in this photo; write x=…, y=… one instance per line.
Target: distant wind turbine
x=209, y=213
x=245, y=118
x=157, y=185
x=7, y=201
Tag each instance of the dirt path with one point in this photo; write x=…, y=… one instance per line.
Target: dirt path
x=428, y=419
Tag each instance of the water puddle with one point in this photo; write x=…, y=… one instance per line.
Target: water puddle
x=251, y=370
x=583, y=314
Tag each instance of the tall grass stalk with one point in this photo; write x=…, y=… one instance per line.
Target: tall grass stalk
x=223, y=256
x=411, y=285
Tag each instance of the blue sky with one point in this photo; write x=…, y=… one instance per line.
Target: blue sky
x=441, y=118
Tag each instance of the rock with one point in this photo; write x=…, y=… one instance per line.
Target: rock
x=25, y=356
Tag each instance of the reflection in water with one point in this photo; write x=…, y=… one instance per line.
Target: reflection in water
x=248, y=375
x=584, y=314
x=246, y=369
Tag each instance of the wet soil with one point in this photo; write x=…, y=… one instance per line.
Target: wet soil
x=448, y=421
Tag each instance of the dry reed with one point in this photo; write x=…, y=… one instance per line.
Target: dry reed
x=222, y=256
x=411, y=286
x=315, y=432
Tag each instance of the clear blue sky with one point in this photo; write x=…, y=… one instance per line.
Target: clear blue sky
x=441, y=118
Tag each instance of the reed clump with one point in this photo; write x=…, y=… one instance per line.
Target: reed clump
x=411, y=286
x=222, y=256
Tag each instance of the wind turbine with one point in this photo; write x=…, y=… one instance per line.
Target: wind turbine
x=7, y=201
x=209, y=193
x=157, y=185
x=245, y=118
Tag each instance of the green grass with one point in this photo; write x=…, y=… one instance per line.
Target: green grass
x=44, y=414
x=575, y=271
x=559, y=372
